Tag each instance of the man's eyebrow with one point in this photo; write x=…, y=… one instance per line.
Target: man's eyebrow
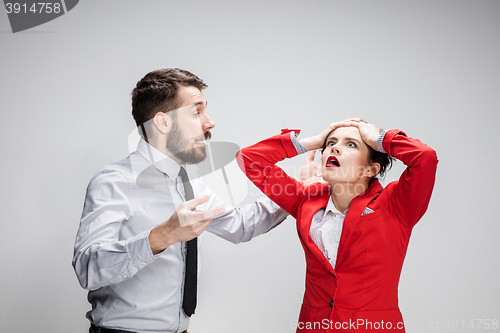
x=201, y=103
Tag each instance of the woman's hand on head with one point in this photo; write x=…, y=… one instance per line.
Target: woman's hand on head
x=369, y=132
x=316, y=142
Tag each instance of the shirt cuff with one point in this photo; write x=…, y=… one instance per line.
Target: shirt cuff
x=298, y=146
x=380, y=140
x=139, y=250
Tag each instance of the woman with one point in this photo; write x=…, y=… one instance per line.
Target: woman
x=354, y=232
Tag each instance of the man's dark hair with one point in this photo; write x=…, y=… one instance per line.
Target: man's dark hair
x=157, y=91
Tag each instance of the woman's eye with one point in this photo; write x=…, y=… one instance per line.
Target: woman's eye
x=331, y=143
x=351, y=144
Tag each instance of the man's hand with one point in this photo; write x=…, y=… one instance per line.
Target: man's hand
x=185, y=224
x=310, y=172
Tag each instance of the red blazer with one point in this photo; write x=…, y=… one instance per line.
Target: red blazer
x=361, y=293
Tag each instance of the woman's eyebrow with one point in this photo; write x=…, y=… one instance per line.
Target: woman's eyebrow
x=345, y=139
x=351, y=139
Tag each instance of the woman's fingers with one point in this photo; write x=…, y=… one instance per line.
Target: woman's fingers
x=369, y=133
x=340, y=124
x=344, y=123
x=353, y=119
x=357, y=123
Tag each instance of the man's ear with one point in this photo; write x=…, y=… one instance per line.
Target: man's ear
x=163, y=122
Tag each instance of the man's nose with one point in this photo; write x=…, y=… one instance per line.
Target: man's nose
x=207, y=123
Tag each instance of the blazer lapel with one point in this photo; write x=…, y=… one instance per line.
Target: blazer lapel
x=356, y=208
x=313, y=205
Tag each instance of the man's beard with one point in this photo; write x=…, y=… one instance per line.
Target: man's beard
x=177, y=145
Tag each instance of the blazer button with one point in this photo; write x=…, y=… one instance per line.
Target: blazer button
x=331, y=303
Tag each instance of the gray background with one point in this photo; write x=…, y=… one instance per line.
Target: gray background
x=430, y=68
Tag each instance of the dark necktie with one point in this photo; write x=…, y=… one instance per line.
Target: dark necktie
x=191, y=277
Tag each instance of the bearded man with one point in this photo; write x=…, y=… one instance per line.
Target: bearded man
x=136, y=247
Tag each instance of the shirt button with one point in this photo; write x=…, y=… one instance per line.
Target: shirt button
x=143, y=263
x=150, y=259
x=331, y=303
x=124, y=276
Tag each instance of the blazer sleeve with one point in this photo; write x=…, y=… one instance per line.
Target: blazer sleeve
x=413, y=191
x=258, y=163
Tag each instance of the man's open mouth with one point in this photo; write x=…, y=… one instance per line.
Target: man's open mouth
x=200, y=143
x=332, y=162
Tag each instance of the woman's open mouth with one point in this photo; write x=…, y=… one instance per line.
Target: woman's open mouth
x=332, y=161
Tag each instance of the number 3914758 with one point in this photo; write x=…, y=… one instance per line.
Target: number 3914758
x=36, y=8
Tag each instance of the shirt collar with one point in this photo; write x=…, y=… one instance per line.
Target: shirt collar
x=161, y=161
x=331, y=208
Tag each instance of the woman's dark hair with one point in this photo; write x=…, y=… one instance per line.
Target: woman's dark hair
x=157, y=91
x=384, y=160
